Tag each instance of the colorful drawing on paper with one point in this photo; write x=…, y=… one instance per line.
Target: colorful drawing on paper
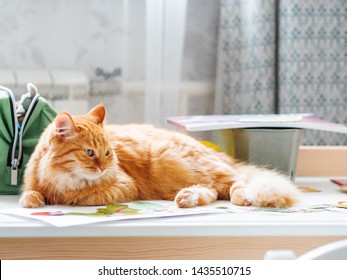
x=340, y=206
x=266, y=210
x=64, y=215
x=111, y=209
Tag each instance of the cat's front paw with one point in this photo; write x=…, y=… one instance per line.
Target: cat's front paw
x=195, y=196
x=31, y=199
x=237, y=196
x=185, y=199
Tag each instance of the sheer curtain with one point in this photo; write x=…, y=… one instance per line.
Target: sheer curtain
x=165, y=30
x=131, y=51
x=154, y=34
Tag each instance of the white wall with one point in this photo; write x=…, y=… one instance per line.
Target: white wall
x=51, y=34
x=84, y=35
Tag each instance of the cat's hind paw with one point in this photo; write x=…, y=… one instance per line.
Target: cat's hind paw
x=267, y=189
x=31, y=199
x=195, y=196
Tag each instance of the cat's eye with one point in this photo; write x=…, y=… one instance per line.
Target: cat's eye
x=89, y=152
x=107, y=153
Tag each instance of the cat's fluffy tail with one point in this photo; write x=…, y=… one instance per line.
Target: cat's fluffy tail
x=262, y=188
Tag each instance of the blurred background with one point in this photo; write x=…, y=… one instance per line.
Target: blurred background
x=150, y=59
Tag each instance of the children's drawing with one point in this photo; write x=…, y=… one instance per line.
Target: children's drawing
x=63, y=215
x=112, y=209
x=340, y=206
x=266, y=210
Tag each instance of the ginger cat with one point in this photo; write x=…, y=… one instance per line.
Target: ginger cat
x=81, y=161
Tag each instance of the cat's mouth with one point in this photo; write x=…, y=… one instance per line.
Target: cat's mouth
x=91, y=176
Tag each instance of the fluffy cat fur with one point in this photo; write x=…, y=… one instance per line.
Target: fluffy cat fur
x=81, y=161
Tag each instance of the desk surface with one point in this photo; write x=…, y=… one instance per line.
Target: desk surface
x=219, y=224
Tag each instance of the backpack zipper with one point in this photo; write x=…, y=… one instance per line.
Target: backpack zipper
x=13, y=161
x=25, y=120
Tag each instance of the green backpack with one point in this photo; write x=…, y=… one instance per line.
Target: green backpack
x=20, y=130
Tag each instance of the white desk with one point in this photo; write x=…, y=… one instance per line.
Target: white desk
x=208, y=236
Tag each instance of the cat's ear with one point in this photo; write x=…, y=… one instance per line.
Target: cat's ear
x=98, y=113
x=64, y=125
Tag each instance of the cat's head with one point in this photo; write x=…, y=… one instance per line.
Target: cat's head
x=79, y=148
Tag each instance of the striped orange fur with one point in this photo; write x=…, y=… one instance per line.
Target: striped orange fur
x=81, y=161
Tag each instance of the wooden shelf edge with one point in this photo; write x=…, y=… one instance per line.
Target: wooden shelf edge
x=322, y=161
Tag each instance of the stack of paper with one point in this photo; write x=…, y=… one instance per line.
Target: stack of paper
x=217, y=122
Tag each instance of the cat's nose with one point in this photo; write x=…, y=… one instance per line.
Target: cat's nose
x=102, y=168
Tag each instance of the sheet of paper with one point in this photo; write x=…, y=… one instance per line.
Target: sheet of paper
x=62, y=216
x=317, y=202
